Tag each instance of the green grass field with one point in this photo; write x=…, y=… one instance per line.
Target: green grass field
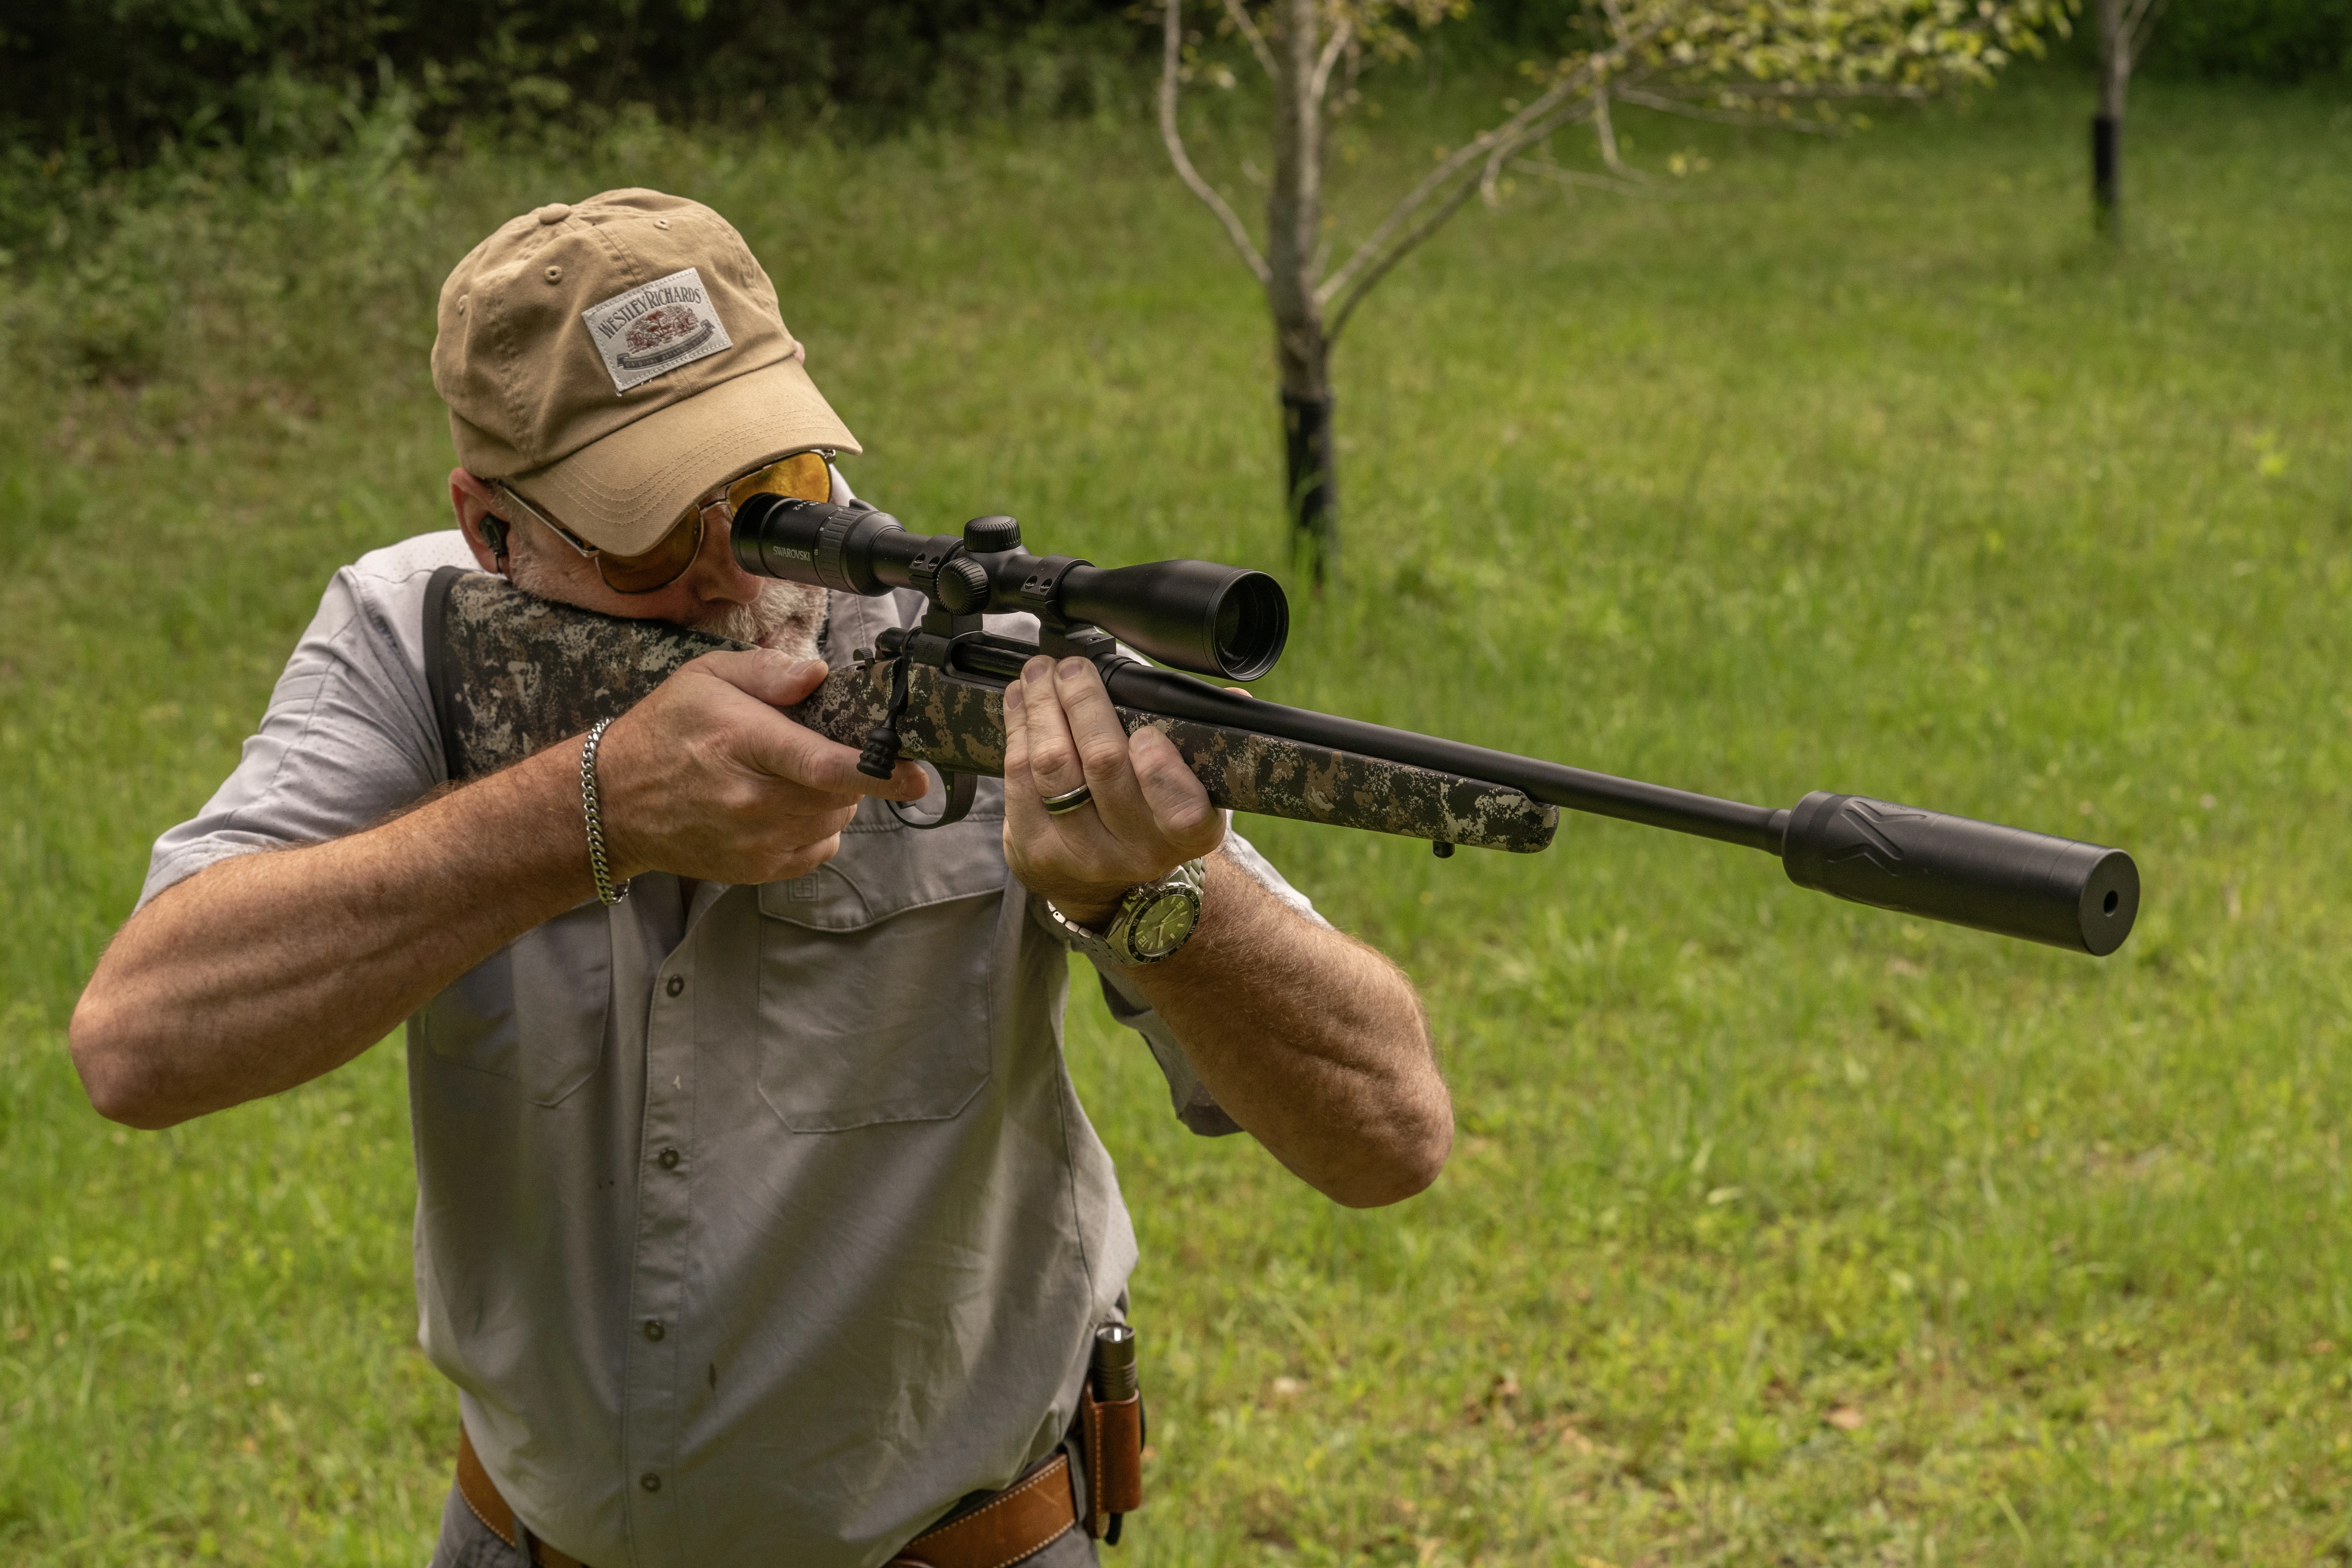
x=1778, y=1230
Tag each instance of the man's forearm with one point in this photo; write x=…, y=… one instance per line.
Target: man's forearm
x=1309, y=1039
x=266, y=970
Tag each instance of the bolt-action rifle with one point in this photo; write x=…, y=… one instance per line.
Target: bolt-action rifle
x=512, y=674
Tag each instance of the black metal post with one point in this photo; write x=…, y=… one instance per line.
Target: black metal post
x=1313, y=481
x=2107, y=170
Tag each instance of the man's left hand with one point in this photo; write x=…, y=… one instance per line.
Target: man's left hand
x=1147, y=815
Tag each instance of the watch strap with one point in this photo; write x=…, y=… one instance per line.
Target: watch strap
x=1085, y=942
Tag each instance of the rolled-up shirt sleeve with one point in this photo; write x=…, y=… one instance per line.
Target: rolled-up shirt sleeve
x=348, y=737
x=1195, y=1107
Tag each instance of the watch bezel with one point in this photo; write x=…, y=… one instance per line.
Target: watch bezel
x=1186, y=883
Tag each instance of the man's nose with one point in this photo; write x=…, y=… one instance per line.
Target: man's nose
x=714, y=574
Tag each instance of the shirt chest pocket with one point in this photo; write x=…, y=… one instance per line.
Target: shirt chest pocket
x=878, y=974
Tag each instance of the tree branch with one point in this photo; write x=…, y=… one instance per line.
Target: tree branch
x=1396, y=253
x=1490, y=177
x=2139, y=22
x=1240, y=14
x=1617, y=82
x=1724, y=116
x=1604, y=131
x=1330, y=56
x=1651, y=192
x=1790, y=89
x=1358, y=273
x=1170, y=66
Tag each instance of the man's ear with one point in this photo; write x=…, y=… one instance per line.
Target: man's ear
x=486, y=532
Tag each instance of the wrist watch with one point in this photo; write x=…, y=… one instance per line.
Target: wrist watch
x=1154, y=921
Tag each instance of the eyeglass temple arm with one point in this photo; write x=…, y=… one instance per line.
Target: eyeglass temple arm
x=583, y=551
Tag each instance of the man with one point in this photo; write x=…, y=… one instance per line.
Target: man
x=757, y=1219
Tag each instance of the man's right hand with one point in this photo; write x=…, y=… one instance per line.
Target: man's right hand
x=704, y=778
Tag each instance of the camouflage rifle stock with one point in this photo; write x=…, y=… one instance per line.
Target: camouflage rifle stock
x=512, y=674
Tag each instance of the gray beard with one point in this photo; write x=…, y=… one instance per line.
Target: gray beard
x=785, y=617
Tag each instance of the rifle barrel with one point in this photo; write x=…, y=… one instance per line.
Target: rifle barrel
x=2083, y=897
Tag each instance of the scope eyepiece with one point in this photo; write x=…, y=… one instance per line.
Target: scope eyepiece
x=1194, y=615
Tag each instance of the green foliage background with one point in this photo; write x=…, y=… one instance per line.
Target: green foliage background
x=1778, y=1229
x=106, y=85
x=2270, y=40
x=111, y=83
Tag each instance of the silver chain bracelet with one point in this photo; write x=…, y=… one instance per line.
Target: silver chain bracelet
x=596, y=866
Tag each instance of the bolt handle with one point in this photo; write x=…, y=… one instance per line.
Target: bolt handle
x=880, y=757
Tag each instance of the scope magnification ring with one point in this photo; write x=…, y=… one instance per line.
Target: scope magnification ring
x=830, y=536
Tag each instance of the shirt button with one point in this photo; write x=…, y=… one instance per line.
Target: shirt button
x=669, y=1159
x=650, y=1482
x=653, y=1327
x=676, y=983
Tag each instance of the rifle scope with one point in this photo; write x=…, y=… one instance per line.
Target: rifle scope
x=1194, y=615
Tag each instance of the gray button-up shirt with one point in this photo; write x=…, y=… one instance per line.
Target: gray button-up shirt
x=756, y=1231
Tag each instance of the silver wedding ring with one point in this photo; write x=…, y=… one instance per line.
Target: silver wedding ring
x=1060, y=805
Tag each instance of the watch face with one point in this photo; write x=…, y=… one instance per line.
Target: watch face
x=1162, y=926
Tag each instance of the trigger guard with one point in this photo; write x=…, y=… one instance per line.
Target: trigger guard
x=963, y=789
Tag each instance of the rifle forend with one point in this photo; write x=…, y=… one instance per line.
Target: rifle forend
x=512, y=674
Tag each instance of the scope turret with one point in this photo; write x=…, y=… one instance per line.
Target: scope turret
x=1194, y=615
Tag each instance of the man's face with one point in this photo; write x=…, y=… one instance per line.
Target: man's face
x=715, y=596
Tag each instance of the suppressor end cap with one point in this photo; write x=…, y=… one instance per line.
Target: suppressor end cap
x=2110, y=903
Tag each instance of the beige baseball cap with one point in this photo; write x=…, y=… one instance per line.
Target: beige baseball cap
x=614, y=359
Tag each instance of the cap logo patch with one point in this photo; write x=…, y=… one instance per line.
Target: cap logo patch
x=655, y=327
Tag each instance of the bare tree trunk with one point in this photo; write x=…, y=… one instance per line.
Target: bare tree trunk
x=1294, y=226
x=2108, y=126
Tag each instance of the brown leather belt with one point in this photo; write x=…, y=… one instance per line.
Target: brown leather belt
x=1018, y=1522
x=481, y=1495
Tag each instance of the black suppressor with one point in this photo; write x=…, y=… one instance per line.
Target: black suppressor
x=1981, y=874
x=1194, y=615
